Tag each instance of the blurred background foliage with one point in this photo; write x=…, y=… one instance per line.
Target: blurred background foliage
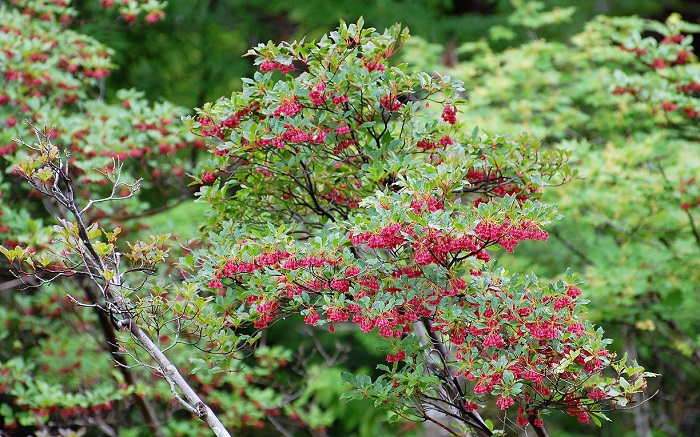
x=194, y=55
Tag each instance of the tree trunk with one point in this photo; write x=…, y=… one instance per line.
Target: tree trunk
x=642, y=412
x=451, y=383
x=175, y=379
x=171, y=374
x=540, y=431
x=109, y=334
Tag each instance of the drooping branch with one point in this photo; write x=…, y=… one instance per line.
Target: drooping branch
x=110, y=340
x=62, y=191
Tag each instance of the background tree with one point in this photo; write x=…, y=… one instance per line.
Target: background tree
x=198, y=45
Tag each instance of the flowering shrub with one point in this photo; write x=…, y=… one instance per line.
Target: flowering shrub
x=386, y=216
x=340, y=188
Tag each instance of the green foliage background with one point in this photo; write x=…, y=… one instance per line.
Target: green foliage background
x=194, y=56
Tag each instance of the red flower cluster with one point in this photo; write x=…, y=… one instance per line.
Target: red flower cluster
x=337, y=100
x=690, y=88
x=426, y=144
x=430, y=204
x=373, y=65
x=400, y=355
x=269, y=65
x=658, y=64
x=675, y=39
x=208, y=178
x=449, y=114
x=637, y=51
x=289, y=106
x=294, y=135
x=682, y=55
x=504, y=402
x=668, y=106
x=484, y=181
x=390, y=102
x=342, y=129
x=624, y=90
x=312, y=318
x=388, y=237
x=218, y=130
x=317, y=94
x=508, y=234
x=688, y=201
x=597, y=394
x=338, y=197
